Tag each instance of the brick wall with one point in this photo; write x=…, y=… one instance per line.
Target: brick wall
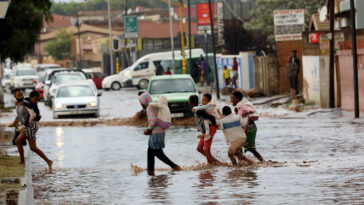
x=284, y=51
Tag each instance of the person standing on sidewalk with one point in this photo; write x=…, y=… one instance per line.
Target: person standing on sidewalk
x=292, y=72
x=235, y=72
x=156, y=136
x=28, y=117
x=294, y=78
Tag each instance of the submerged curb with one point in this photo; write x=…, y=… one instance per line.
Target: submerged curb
x=26, y=196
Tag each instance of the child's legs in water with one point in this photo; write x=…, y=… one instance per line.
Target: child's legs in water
x=207, y=124
x=207, y=145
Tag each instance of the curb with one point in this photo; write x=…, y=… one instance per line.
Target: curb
x=26, y=196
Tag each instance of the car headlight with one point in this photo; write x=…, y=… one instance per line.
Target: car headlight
x=59, y=106
x=92, y=104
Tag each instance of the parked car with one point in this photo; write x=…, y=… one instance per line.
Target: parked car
x=61, y=77
x=76, y=98
x=138, y=74
x=177, y=88
x=6, y=80
x=23, y=78
x=96, y=77
x=45, y=67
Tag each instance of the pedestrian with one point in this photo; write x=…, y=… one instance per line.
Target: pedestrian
x=28, y=117
x=205, y=70
x=292, y=72
x=156, y=136
x=168, y=72
x=246, y=109
x=204, y=145
x=232, y=127
x=226, y=74
x=159, y=69
x=297, y=61
x=235, y=72
x=195, y=72
x=164, y=115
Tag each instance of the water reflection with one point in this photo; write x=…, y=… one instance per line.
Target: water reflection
x=60, y=143
x=157, y=189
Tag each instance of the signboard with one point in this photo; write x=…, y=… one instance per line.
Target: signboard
x=324, y=45
x=4, y=5
x=131, y=27
x=314, y=38
x=220, y=23
x=289, y=24
x=203, y=16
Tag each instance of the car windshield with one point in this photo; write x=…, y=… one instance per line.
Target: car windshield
x=25, y=72
x=172, y=86
x=42, y=78
x=75, y=91
x=64, y=78
x=50, y=68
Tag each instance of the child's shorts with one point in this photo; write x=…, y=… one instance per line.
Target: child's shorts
x=250, y=138
x=32, y=130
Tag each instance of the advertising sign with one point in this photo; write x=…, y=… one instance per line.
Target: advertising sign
x=314, y=37
x=203, y=16
x=289, y=24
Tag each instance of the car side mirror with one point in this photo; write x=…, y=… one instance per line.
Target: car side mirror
x=48, y=82
x=99, y=93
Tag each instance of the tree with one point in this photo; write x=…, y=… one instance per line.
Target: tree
x=262, y=18
x=60, y=48
x=21, y=27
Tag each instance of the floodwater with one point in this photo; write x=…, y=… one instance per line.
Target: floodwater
x=321, y=161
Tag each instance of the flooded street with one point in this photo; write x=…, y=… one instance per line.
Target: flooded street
x=320, y=161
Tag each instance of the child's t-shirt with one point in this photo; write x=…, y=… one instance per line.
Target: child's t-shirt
x=210, y=109
x=232, y=127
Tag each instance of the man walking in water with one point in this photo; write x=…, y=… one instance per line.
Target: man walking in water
x=156, y=134
x=28, y=116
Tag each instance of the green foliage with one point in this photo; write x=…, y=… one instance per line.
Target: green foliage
x=21, y=27
x=60, y=48
x=262, y=18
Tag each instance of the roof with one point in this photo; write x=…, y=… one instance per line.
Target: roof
x=185, y=12
x=58, y=21
x=174, y=76
x=83, y=28
x=317, y=25
x=152, y=29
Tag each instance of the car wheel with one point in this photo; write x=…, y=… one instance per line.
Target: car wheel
x=143, y=84
x=115, y=86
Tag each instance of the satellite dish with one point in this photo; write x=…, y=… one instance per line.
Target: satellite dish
x=323, y=13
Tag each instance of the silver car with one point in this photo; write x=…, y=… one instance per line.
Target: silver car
x=23, y=78
x=78, y=98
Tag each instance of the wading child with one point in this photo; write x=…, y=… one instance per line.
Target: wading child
x=164, y=115
x=246, y=109
x=156, y=136
x=232, y=127
x=27, y=118
x=206, y=123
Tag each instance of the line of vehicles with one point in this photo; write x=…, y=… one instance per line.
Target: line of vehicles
x=77, y=91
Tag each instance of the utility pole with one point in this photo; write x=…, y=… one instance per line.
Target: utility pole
x=214, y=50
x=355, y=59
x=2, y=102
x=182, y=37
x=125, y=39
x=110, y=39
x=79, y=41
x=189, y=34
x=172, y=35
x=332, y=54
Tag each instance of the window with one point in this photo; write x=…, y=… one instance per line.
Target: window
x=142, y=66
x=25, y=72
x=75, y=91
x=172, y=86
x=156, y=63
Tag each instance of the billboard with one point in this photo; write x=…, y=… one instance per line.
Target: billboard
x=203, y=16
x=289, y=24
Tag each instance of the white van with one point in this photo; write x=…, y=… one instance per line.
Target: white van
x=138, y=74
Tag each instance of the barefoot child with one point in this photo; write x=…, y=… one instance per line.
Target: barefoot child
x=232, y=127
x=29, y=126
x=164, y=115
x=246, y=109
x=156, y=136
x=209, y=125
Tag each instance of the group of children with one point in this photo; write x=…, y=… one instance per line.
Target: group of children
x=238, y=126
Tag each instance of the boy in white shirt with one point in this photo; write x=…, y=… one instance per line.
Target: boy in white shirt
x=232, y=127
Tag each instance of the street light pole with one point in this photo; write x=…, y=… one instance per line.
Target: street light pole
x=172, y=35
x=79, y=41
x=189, y=33
x=355, y=59
x=214, y=50
x=182, y=37
x=332, y=54
x=110, y=39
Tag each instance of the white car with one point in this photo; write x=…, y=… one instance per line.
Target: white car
x=117, y=81
x=77, y=98
x=59, y=78
x=23, y=78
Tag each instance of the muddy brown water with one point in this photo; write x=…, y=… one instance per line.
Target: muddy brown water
x=313, y=161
